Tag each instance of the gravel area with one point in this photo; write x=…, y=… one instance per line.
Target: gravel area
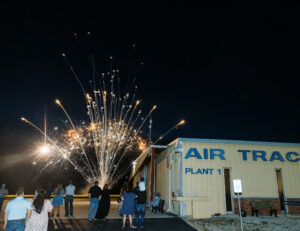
x=263, y=223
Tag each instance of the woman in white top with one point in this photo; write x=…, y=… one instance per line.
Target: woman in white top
x=38, y=220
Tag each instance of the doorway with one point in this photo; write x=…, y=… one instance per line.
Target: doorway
x=280, y=188
x=228, y=197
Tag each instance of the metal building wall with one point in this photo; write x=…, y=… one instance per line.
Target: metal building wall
x=162, y=181
x=201, y=195
x=258, y=177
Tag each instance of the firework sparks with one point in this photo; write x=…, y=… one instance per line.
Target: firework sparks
x=98, y=148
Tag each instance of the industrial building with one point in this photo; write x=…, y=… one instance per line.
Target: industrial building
x=194, y=176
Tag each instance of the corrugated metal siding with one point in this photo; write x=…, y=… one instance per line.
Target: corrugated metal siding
x=148, y=181
x=162, y=180
x=162, y=175
x=258, y=177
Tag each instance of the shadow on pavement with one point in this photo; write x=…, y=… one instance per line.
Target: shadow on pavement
x=166, y=224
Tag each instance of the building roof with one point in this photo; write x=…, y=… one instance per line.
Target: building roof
x=142, y=157
x=236, y=142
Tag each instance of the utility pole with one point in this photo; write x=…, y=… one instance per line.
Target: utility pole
x=152, y=161
x=150, y=129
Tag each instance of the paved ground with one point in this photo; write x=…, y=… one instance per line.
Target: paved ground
x=81, y=211
x=166, y=222
x=151, y=224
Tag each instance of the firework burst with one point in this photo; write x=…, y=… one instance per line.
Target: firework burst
x=102, y=147
x=98, y=148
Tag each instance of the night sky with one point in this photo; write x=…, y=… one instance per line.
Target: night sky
x=230, y=73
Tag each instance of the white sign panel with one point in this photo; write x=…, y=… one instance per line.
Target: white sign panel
x=237, y=186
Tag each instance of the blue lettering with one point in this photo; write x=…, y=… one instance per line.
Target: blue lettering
x=244, y=152
x=217, y=152
x=187, y=170
x=190, y=153
x=289, y=156
x=205, y=153
x=256, y=154
x=262, y=155
x=276, y=156
x=205, y=171
x=201, y=171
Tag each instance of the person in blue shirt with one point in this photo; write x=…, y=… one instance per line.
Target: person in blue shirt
x=70, y=192
x=128, y=198
x=57, y=199
x=17, y=212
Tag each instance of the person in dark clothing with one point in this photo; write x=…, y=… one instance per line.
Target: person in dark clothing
x=104, y=203
x=95, y=197
x=49, y=190
x=140, y=208
x=136, y=187
x=135, y=191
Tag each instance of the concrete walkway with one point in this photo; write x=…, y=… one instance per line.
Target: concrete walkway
x=81, y=211
x=151, y=224
x=79, y=221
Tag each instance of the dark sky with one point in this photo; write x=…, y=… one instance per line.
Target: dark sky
x=230, y=73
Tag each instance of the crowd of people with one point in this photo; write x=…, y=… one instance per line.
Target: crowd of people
x=21, y=214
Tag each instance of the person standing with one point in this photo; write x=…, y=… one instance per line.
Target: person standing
x=17, y=212
x=3, y=193
x=57, y=199
x=155, y=202
x=95, y=197
x=140, y=205
x=38, y=221
x=104, y=203
x=135, y=191
x=70, y=192
x=49, y=190
x=128, y=198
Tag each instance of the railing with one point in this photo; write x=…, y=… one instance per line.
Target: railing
x=75, y=196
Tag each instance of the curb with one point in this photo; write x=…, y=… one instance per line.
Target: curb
x=190, y=224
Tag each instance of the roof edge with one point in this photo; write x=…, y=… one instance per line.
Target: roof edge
x=236, y=142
